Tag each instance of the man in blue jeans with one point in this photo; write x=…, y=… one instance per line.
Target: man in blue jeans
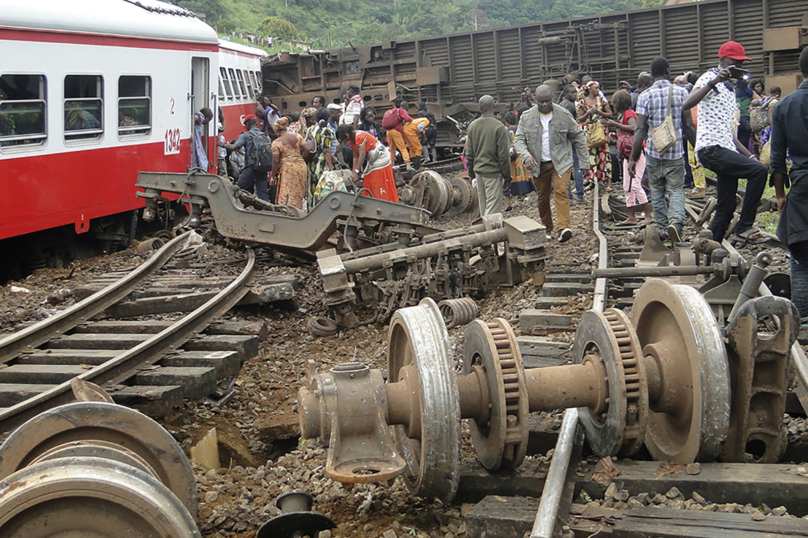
x=718, y=148
x=666, y=168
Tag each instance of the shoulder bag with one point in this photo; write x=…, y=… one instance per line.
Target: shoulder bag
x=596, y=135
x=664, y=135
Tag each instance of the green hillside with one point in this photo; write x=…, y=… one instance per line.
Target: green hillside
x=332, y=23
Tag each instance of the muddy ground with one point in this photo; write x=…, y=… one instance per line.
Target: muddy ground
x=260, y=455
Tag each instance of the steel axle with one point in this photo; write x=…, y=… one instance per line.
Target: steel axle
x=663, y=379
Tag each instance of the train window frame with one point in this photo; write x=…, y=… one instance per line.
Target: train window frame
x=139, y=129
x=240, y=78
x=232, y=76
x=226, y=81
x=12, y=142
x=88, y=134
x=250, y=92
x=259, y=84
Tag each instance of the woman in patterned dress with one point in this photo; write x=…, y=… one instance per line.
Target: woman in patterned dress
x=592, y=106
x=288, y=165
x=520, y=177
x=372, y=160
x=323, y=137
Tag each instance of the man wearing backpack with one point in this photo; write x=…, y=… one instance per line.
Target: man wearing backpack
x=393, y=122
x=256, y=145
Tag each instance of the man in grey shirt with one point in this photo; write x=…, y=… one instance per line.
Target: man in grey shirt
x=545, y=138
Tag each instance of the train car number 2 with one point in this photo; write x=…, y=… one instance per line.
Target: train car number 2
x=171, y=143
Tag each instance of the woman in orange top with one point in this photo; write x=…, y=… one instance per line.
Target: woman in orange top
x=373, y=160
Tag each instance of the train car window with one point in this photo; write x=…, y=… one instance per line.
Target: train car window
x=222, y=96
x=226, y=82
x=255, y=91
x=22, y=110
x=134, y=104
x=241, y=83
x=84, y=107
x=250, y=94
x=258, y=82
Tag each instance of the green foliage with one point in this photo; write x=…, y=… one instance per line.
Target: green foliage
x=279, y=29
x=335, y=23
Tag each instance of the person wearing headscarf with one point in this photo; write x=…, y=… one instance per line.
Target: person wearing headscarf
x=371, y=161
x=289, y=168
x=591, y=107
x=323, y=159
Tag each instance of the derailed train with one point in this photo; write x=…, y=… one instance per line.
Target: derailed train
x=451, y=72
x=91, y=93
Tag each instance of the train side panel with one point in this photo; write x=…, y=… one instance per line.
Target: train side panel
x=85, y=167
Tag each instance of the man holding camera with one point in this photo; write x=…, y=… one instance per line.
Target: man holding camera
x=718, y=148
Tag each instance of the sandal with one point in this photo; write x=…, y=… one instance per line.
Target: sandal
x=751, y=236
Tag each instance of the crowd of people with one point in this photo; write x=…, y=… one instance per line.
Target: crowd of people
x=654, y=140
x=323, y=138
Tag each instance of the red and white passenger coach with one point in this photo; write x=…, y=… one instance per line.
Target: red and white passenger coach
x=239, y=83
x=91, y=93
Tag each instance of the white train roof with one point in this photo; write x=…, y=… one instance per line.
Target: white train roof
x=238, y=47
x=133, y=18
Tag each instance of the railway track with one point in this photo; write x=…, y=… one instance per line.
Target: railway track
x=721, y=397
x=148, y=364
x=560, y=482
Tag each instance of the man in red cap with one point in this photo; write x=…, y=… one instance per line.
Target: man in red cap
x=718, y=148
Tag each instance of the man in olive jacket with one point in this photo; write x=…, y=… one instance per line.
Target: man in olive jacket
x=544, y=140
x=487, y=157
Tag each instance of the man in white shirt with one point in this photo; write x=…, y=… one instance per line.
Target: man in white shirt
x=544, y=139
x=718, y=148
x=353, y=108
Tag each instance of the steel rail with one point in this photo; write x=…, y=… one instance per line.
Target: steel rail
x=547, y=515
x=125, y=365
x=11, y=346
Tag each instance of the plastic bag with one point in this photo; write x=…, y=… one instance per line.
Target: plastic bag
x=334, y=180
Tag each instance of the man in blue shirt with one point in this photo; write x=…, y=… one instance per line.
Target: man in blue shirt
x=666, y=168
x=790, y=135
x=250, y=179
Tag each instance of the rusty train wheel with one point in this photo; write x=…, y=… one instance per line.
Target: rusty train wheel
x=93, y=498
x=418, y=337
x=594, y=341
x=462, y=190
x=689, y=417
x=502, y=441
x=65, y=425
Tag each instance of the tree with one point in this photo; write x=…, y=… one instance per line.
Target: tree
x=279, y=29
x=226, y=26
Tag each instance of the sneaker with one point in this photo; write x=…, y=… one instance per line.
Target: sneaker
x=565, y=235
x=550, y=235
x=673, y=234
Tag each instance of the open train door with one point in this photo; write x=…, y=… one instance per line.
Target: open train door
x=200, y=98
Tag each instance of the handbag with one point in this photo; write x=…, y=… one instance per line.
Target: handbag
x=766, y=153
x=759, y=117
x=625, y=143
x=595, y=135
x=664, y=135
